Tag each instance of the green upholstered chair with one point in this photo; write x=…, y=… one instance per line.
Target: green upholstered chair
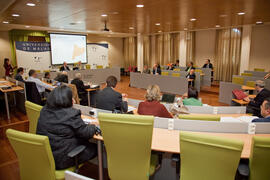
x=200, y=117
x=164, y=73
x=35, y=156
x=260, y=158
x=250, y=83
x=176, y=74
x=99, y=67
x=32, y=111
x=259, y=69
x=238, y=80
x=176, y=69
x=207, y=157
x=128, y=140
x=246, y=74
x=87, y=66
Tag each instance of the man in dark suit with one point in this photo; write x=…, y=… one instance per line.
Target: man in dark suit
x=81, y=89
x=64, y=67
x=265, y=112
x=254, y=105
x=19, y=74
x=189, y=67
x=109, y=99
x=208, y=64
x=157, y=69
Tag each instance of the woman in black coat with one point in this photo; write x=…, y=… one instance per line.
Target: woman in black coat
x=65, y=128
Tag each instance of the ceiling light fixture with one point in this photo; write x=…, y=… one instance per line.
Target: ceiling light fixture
x=15, y=15
x=27, y=26
x=139, y=5
x=159, y=31
x=104, y=15
x=185, y=29
x=241, y=13
x=223, y=15
x=5, y=22
x=157, y=24
x=131, y=27
x=259, y=22
x=217, y=26
x=193, y=19
x=31, y=4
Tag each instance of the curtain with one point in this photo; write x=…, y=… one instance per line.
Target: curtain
x=147, y=51
x=175, y=45
x=22, y=35
x=130, y=52
x=227, y=53
x=190, y=39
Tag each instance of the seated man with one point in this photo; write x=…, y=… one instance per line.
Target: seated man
x=189, y=67
x=64, y=67
x=62, y=77
x=191, y=78
x=157, y=69
x=208, y=64
x=146, y=70
x=19, y=74
x=265, y=112
x=109, y=99
x=41, y=86
x=81, y=89
x=254, y=105
x=192, y=98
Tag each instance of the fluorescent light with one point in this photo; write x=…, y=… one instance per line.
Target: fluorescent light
x=217, y=26
x=241, y=13
x=193, y=19
x=157, y=24
x=185, y=29
x=259, y=22
x=139, y=5
x=131, y=27
x=104, y=15
x=5, y=22
x=27, y=26
x=31, y=4
x=15, y=15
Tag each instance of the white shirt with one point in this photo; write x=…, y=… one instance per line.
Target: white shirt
x=41, y=86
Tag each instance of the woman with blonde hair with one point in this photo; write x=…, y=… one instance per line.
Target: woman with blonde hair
x=152, y=106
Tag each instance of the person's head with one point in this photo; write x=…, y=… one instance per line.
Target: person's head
x=32, y=73
x=65, y=73
x=59, y=98
x=192, y=93
x=265, y=108
x=79, y=63
x=145, y=67
x=152, y=93
x=47, y=75
x=6, y=61
x=207, y=61
x=190, y=64
x=259, y=85
x=192, y=71
x=177, y=61
x=63, y=78
x=155, y=65
x=78, y=76
x=111, y=81
x=65, y=63
x=20, y=71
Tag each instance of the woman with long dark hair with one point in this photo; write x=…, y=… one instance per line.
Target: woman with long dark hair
x=8, y=67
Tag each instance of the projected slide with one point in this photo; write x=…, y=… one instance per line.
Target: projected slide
x=68, y=48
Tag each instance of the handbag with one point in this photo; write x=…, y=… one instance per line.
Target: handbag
x=239, y=94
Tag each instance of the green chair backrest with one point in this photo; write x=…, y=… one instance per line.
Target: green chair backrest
x=238, y=80
x=246, y=74
x=87, y=66
x=34, y=154
x=164, y=73
x=250, y=83
x=200, y=117
x=33, y=112
x=198, y=70
x=176, y=74
x=208, y=157
x=99, y=67
x=259, y=69
x=259, y=163
x=176, y=69
x=127, y=139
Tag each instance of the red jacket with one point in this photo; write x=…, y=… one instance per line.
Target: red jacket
x=153, y=108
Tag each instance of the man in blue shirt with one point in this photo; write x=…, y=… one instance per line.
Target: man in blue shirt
x=265, y=112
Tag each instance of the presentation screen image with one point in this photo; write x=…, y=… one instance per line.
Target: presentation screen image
x=68, y=48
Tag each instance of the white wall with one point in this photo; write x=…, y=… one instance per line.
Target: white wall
x=116, y=55
x=260, y=48
x=205, y=46
x=5, y=51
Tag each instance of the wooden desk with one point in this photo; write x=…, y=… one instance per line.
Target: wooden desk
x=5, y=91
x=88, y=94
x=248, y=88
x=242, y=102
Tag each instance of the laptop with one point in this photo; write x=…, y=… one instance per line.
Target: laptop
x=168, y=98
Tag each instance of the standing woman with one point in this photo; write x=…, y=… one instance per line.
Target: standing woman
x=8, y=67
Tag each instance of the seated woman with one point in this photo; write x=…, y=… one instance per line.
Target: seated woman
x=191, y=78
x=81, y=88
x=65, y=128
x=192, y=98
x=152, y=105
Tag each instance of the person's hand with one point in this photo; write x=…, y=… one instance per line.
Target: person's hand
x=184, y=96
x=124, y=96
x=246, y=99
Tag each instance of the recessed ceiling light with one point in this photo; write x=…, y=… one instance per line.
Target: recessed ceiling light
x=131, y=27
x=193, y=19
x=27, y=26
x=31, y=4
x=259, y=22
x=223, y=15
x=217, y=26
x=15, y=15
x=115, y=12
x=185, y=29
x=159, y=31
x=241, y=13
x=104, y=15
x=157, y=24
x=5, y=22
x=139, y=5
